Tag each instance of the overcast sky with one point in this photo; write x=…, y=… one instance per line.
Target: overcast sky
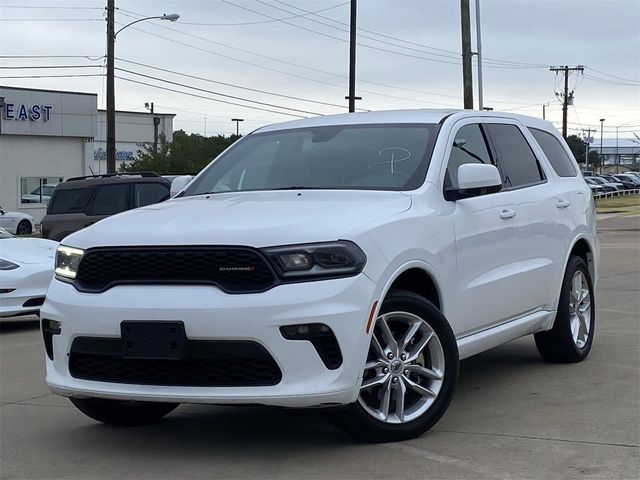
x=408, y=57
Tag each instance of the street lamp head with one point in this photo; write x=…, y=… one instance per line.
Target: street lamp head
x=172, y=17
x=602, y=119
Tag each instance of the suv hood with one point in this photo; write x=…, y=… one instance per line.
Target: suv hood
x=257, y=219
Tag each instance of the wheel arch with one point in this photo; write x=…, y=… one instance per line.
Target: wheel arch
x=582, y=247
x=415, y=276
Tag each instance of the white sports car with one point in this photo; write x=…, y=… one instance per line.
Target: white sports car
x=26, y=269
x=17, y=223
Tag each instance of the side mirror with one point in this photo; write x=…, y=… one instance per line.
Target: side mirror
x=179, y=183
x=475, y=179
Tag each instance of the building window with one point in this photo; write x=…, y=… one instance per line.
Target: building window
x=37, y=189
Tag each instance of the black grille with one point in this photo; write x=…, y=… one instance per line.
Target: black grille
x=232, y=269
x=214, y=363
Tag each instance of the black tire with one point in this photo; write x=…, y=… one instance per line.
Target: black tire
x=558, y=344
x=24, y=228
x=355, y=420
x=120, y=412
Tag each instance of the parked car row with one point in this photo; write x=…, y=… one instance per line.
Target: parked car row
x=610, y=183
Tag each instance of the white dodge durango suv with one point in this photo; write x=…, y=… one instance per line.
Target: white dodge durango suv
x=347, y=261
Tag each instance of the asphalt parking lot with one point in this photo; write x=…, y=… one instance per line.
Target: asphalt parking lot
x=513, y=416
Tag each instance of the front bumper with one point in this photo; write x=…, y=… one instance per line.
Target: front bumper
x=29, y=284
x=210, y=314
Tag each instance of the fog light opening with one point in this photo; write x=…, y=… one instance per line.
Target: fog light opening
x=49, y=329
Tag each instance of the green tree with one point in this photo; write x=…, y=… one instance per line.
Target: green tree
x=578, y=147
x=187, y=153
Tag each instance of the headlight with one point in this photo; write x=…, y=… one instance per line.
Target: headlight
x=67, y=261
x=7, y=265
x=317, y=260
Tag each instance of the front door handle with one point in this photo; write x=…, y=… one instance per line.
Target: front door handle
x=563, y=203
x=506, y=214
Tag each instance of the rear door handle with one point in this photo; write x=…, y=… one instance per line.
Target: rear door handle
x=563, y=203
x=506, y=214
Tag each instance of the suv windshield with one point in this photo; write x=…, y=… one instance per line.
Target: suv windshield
x=369, y=157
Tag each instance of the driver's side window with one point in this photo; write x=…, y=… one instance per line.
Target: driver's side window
x=469, y=146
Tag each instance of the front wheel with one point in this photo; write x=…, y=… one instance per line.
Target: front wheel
x=122, y=412
x=410, y=373
x=571, y=337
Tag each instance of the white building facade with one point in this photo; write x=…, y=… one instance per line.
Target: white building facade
x=48, y=136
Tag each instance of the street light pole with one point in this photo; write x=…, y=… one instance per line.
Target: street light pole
x=601, y=132
x=111, y=91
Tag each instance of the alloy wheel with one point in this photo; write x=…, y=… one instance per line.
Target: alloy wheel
x=405, y=368
x=580, y=309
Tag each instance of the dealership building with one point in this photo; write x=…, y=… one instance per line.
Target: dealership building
x=48, y=136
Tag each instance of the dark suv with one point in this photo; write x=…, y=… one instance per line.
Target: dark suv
x=82, y=201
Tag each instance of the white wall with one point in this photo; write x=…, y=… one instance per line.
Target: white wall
x=38, y=156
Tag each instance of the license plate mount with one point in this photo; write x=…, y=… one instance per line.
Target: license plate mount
x=153, y=340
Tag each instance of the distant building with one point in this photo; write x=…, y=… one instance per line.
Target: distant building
x=624, y=153
x=47, y=136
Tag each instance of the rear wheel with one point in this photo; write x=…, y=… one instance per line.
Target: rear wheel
x=410, y=373
x=24, y=228
x=571, y=337
x=122, y=412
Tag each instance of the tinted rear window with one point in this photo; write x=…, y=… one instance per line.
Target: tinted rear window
x=519, y=165
x=555, y=153
x=69, y=201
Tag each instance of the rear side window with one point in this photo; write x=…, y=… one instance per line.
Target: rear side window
x=111, y=199
x=148, y=193
x=69, y=201
x=554, y=152
x=519, y=165
x=469, y=146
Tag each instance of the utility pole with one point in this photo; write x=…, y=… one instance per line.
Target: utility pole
x=566, y=97
x=479, y=49
x=544, y=112
x=237, y=120
x=156, y=122
x=587, y=141
x=352, y=58
x=111, y=97
x=467, y=80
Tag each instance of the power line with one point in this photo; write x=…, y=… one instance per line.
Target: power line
x=289, y=63
x=449, y=53
x=41, y=7
x=262, y=21
x=341, y=39
x=55, y=76
x=89, y=57
x=26, y=67
x=230, y=84
x=215, y=93
x=206, y=98
x=610, y=82
x=276, y=70
x=51, y=19
x=614, y=76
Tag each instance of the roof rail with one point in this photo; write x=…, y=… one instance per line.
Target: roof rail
x=119, y=174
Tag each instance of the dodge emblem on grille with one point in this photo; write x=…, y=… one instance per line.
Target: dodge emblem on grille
x=237, y=269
